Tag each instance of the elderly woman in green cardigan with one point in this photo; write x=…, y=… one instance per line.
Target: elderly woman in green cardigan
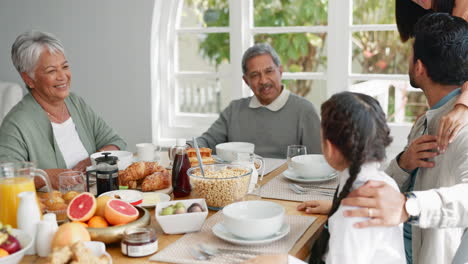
x=50, y=125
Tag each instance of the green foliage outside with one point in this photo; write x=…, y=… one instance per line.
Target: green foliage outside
x=379, y=52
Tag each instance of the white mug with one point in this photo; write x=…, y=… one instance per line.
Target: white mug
x=148, y=151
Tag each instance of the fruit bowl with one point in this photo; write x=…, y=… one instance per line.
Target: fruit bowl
x=113, y=234
x=25, y=241
x=184, y=222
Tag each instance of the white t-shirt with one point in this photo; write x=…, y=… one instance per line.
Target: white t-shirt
x=69, y=143
x=348, y=244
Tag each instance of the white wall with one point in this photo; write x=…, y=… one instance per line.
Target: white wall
x=108, y=45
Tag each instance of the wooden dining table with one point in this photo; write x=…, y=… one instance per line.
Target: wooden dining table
x=300, y=250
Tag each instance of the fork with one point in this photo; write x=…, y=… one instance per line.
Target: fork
x=198, y=255
x=300, y=191
x=212, y=251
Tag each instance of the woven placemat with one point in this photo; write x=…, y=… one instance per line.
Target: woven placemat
x=272, y=164
x=179, y=251
x=278, y=188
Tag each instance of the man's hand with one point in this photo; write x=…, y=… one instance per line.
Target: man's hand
x=108, y=148
x=385, y=204
x=82, y=165
x=450, y=125
x=315, y=207
x=53, y=178
x=419, y=150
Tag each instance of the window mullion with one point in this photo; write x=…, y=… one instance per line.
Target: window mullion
x=339, y=59
x=239, y=39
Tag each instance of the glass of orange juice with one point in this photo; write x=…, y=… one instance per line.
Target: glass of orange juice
x=16, y=177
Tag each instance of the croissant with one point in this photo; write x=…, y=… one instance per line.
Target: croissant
x=156, y=181
x=139, y=170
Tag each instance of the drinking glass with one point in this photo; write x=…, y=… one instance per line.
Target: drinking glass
x=71, y=181
x=295, y=150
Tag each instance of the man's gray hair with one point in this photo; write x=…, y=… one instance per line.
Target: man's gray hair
x=256, y=50
x=28, y=47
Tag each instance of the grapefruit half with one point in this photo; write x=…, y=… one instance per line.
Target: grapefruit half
x=118, y=212
x=82, y=207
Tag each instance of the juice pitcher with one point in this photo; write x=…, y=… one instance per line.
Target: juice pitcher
x=255, y=162
x=16, y=177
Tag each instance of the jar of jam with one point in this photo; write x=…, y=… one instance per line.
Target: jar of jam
x=139, y=242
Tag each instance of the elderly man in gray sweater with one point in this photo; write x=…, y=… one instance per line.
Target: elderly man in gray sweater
x=273, y=118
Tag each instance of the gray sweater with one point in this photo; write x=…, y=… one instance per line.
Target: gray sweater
x=297, y=123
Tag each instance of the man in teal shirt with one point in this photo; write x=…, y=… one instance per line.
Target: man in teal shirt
x=434, y=204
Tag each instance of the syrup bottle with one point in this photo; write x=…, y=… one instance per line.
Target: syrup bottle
x=180, y=178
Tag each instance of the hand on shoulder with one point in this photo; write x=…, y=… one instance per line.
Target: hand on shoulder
x=382, y=203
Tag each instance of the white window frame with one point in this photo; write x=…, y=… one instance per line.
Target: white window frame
x=168, y=124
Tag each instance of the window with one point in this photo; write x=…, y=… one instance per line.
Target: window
x=326, y=46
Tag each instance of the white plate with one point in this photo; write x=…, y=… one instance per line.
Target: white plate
x=291, y=175
x=220, y=231
x=162, y=198
x=167, y=190
x=133, y=197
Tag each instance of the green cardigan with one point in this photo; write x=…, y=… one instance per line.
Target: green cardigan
x=26, y=133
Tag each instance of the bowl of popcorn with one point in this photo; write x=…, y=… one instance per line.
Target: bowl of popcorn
x=221, y=185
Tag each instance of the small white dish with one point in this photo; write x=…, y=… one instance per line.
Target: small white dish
x=292, y=175
x=221, y=232
x=150, y=199
x=133, y=197
x=181, y=223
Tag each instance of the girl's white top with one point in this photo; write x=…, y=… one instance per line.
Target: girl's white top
x=348, y=244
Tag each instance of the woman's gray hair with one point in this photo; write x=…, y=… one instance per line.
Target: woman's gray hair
x=256, y=50
x=28, y=47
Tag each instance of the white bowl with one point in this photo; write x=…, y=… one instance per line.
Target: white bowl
x=125, y=158
x=181, y=223
x=311, y=166
x=253, y=219
x=25, y=241
x=228, y=151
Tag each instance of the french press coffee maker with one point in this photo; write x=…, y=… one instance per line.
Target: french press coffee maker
x=107, y=173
